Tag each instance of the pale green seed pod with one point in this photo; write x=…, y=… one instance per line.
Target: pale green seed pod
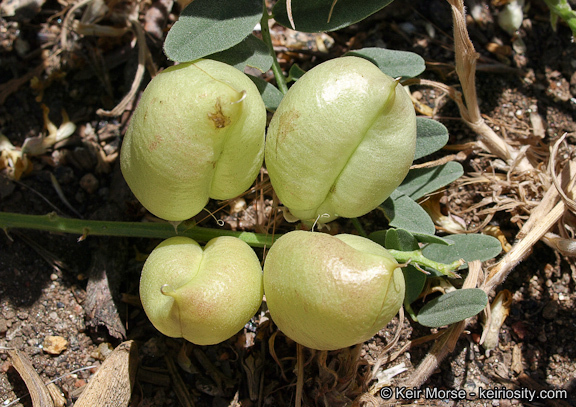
x=329, y=292
x=341, y=140
x=197, y=133
x=203, y=295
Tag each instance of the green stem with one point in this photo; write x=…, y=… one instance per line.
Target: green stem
x=276, y=69
x=410, y=311
x=359, y=227
x=416, y=257
x=163, y=230
x=55, y=223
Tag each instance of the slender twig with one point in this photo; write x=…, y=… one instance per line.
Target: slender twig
x=300, y=374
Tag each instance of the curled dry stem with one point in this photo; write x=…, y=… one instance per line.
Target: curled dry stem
x=557, y=180
x=143, y=56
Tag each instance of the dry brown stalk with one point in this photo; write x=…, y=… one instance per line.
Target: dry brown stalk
x=521, y=250
x=38, y=391
x=466, y=57
x=568, y=200
x=56, y=394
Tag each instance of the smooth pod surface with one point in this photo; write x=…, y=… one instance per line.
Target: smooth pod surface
x=341, y=140
x=203, y=295
x=197, y=133
x=329, y=292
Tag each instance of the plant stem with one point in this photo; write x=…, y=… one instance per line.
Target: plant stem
x=276, y=69
x=164, y=230
x=55, y=223
x=416, y=257
x=359, y=227
x=410, y=311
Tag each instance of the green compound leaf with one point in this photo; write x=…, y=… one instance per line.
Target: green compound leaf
x=206, y=27
x=270, y=93
x=422, y=181
x=415, y=279
x=326, y=15
x=453, y=307
x=397, y=64
x=431, y=137
x=251, y=51
x=468, y=247
x=402, y=212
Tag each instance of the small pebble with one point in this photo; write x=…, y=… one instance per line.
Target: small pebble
x=54, y=345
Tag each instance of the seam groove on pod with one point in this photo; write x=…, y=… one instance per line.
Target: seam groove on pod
x=385, y=106
x=384, y=297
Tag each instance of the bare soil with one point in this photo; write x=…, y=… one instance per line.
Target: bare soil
x=85, y=293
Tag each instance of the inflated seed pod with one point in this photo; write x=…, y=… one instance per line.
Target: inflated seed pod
x=203, y=295
x=329, y=292
x=341, y=140
x=197, y=133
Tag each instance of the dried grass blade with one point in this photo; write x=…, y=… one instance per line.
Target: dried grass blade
x=466, y=57
x=271, y=342
x=289, y=12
